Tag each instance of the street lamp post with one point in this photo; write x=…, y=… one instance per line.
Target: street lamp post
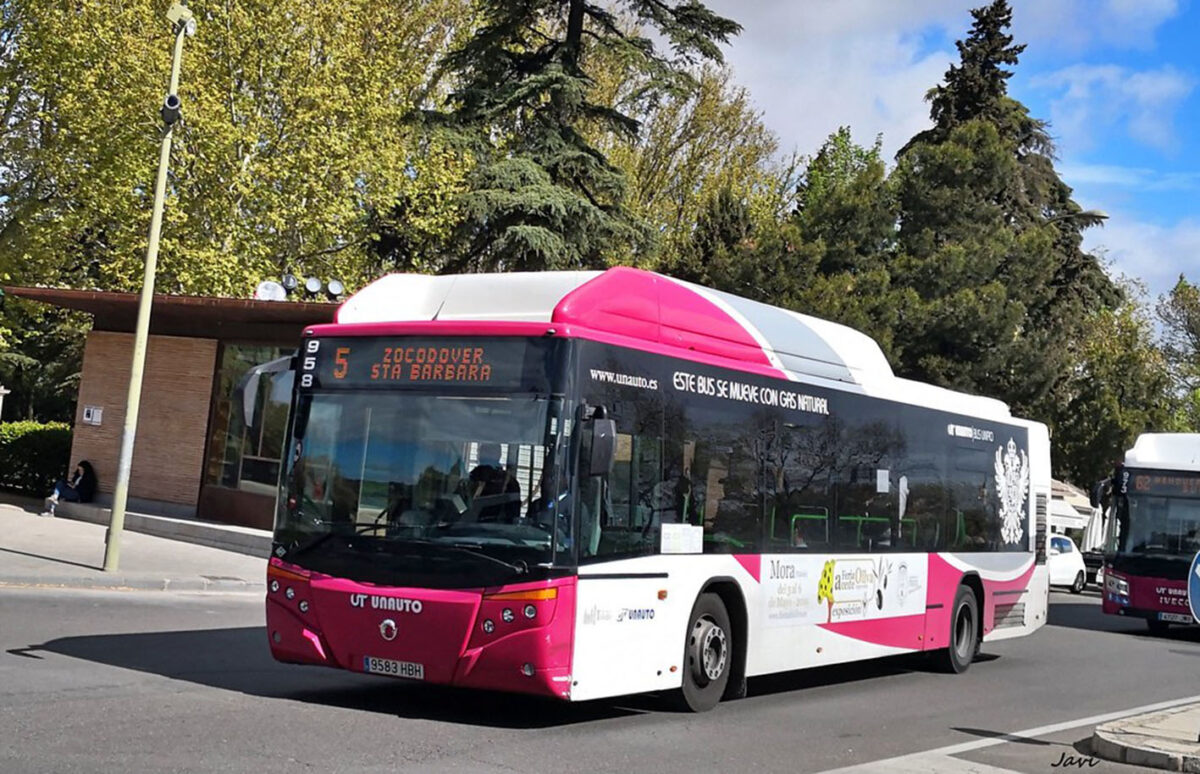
x=1089, y=215
x=184, y=24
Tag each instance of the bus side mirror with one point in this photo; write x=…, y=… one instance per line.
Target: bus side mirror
x=1098, y=491
x=604, y=447
x=245, y=392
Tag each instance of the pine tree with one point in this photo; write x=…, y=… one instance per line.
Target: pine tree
x=541, y=195
x=990, y=238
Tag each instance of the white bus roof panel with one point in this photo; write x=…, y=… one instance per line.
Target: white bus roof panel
x=1174, y=451
x=523, y=296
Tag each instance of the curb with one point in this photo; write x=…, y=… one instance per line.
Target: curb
x=133, y=583
x=1111, y=742
x=242, y=540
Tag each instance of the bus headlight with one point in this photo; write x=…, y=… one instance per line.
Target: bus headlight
x=1116, y=585
x=530, y=611
x=507, y=615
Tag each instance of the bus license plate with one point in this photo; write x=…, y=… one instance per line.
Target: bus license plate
x=386, y=666
x=1175, y=618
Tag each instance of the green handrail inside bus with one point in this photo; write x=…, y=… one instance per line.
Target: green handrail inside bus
x=821, y=517
x=817, y=514
x=860, y=520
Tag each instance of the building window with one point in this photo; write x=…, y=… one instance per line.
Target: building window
x=242, y=456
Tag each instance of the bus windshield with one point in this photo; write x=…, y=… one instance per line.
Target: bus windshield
x=418, y=489
x=1159, y=516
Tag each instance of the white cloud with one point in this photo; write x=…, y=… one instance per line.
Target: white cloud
x=1073, y=26
x=1097, y=98
x=1137, y=179
x=1153, y=253
x=814, y=65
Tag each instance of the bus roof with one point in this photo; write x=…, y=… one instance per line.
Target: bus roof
x=662, y=311
x=1173, y=451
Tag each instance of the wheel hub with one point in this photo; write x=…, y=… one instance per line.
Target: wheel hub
x=709, y=651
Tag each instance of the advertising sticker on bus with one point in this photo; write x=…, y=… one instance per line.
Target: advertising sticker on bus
x=812, y=590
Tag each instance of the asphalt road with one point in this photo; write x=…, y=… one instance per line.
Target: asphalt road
x=155, y=681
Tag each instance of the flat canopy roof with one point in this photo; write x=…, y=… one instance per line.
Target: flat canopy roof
x=235, y=319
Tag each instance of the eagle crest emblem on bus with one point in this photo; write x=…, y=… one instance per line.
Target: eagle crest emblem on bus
x=1012, y=484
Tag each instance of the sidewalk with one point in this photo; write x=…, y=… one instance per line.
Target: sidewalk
x=1162, y=740
x=60, y=552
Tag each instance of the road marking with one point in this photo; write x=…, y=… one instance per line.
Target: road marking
x=939, y=761
x=927, y=764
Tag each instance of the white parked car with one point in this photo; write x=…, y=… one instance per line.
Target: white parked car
x=1065, y=564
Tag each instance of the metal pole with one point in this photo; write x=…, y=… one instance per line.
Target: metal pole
x=112, y=539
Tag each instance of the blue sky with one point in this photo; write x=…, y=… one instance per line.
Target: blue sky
x=1117, y=80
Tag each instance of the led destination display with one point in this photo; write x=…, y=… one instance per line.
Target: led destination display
x=508, y=363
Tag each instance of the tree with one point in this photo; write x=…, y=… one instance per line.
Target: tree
x=692, y=146
x=293, y=131
x=541, y=194
x=1179, y=312
x=990, y=239
x=1121, y=386
x=844, y=202
x=42, y=361
x=976, y=88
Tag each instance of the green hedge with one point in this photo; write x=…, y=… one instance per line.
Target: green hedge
x=33, y=455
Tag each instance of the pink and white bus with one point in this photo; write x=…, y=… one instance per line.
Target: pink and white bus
x=590, y=484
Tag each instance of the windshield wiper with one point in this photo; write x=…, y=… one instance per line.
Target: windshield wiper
x=319, y=539
x=520, y=568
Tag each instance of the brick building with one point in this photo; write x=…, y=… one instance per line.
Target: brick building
x=193, y=455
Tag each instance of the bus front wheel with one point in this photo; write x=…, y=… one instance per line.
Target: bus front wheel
x=964, y=633
x=707, y=654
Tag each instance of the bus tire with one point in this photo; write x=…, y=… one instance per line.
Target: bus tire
x=964, y=633
x=707, y=654
x=1080, y=582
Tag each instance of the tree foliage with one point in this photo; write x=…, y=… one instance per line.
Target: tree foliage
x=990, y=239
x=1179, y=313
x=293, y=130
x=1121, y=386
x=692, y=145
x=541, y=195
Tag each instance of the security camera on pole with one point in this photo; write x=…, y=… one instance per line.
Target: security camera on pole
x=183, y=24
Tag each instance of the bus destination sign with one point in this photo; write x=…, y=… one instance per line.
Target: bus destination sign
x=411, y=362
x=1165, y=484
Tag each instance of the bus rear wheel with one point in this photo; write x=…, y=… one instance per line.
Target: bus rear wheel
x=964, y=633
x=707, y=654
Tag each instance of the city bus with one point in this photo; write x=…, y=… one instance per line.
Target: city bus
x=591, y=484
x=1153, y=529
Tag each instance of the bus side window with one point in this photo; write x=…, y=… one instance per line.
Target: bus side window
x=971, y=524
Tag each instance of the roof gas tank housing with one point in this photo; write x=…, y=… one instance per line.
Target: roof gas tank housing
x=1177, y=451
x=657, y=309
